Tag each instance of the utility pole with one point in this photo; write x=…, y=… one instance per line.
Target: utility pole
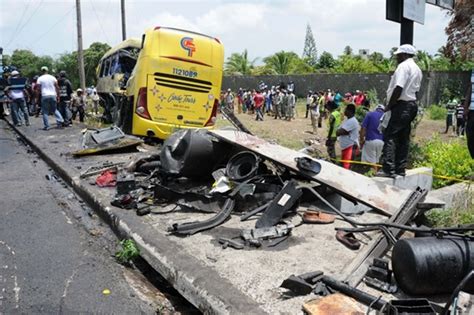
x=80, y=52
x=124, y=32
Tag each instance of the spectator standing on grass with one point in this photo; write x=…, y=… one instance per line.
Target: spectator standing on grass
x=314, y=112
x=18, y=94
x=309, y=101
x=348, y=134
x=229, y=100
x=469, y=115
x=460, y=119
x=334, y=123
x=240, y=97
x=290, y=114
x=78, y=105
x=95, y=101
x=402, y=94
x=277, y=101
x=284, y=104
x=371, y=139
x=450, y=115
x=338, y=98
x=359, y=98
x=47, y=87
x=259, y=100
x=65, y=92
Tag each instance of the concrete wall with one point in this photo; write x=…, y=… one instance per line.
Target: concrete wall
x=431, y=87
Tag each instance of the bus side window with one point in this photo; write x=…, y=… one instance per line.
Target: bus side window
x=113, y=64
x=106, y=67
x=101, y=69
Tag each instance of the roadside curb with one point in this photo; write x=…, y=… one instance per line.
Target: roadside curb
x=217, y=302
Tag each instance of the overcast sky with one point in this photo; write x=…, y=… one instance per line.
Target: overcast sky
x=262, y=27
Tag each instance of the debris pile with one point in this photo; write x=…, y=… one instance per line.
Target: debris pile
x=228, y=172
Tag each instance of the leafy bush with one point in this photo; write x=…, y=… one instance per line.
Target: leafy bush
x=447, y=159
x=462, y=212
x=128, y=252
x=436, y=112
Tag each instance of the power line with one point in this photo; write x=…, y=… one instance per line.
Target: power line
x=19, y=21
x=27, y=21
x=54, y=25
x=98, y=20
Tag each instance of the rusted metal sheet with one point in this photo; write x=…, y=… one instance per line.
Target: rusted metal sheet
x=387, y=199
x=334, y=304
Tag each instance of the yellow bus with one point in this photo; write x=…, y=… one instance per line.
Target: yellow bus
x=174, y=84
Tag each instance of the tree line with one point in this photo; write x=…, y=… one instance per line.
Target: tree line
x=30, y=64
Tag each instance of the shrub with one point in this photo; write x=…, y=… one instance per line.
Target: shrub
x=448, y=159
x=462, y=212
x=436, y=112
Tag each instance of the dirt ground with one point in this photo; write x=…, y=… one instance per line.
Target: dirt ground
x=293, y=134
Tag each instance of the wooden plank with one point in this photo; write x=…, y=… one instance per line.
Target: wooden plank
x=387, y=199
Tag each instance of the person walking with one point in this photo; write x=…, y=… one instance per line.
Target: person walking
x=460, y=119
x=78, y=105
x=450, y=115
x=65, y=92
x=402, y=95
x=18, y=94
x=48, y=88
x=258, y=99
x=334, y=123
x=348, y=134
x=309, y=101
x=314, y=112
x=290, y=114
x=371, y=139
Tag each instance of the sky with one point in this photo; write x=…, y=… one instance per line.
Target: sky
x=48, y=27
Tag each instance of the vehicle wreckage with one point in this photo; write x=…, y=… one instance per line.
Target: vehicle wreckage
x=232, y=172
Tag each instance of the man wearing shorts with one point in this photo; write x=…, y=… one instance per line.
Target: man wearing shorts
x=371, y=140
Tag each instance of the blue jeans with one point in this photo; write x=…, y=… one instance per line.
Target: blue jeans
x=18, y=109
x=48, y=105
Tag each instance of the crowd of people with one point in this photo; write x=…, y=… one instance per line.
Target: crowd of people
x=46, y=95
x=383, y=135
x=279, y=102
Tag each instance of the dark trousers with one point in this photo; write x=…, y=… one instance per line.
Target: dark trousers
x=79, y=110
x=470, y=132
x=63, y=107
x=459, y=126
x=307, y=111
x=397, y=137
x=331, y=147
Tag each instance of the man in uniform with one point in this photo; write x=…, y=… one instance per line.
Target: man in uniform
x=402, y=94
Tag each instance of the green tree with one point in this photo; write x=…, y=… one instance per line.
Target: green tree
x=92, y=56
x=326, y=61
x=423, y=59
x=348, y=50
x=354, y=64
x=239, y=64
x=68, y=62
x=26, y=62
x=310, y=52
x=376, y=57
x=281, y=62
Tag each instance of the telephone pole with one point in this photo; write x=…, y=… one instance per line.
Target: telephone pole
x=124, y=32
x=80, y=52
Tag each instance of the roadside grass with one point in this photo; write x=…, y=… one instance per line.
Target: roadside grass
x=128, y=252
x=462, y=212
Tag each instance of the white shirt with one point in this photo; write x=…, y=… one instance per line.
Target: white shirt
x=48, y=87
x=17, y=94
x=350, y=125
x=407, y=76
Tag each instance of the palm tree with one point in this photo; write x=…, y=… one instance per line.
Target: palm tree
x=424, y=60
x=239, y=64
x=280, y=62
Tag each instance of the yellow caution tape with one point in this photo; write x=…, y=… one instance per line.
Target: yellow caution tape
x=426, y=173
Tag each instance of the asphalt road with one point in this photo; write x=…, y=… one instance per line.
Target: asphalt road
x=49, y=263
